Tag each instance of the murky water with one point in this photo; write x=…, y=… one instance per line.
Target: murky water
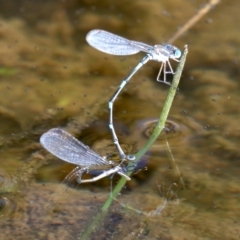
x=50, y=77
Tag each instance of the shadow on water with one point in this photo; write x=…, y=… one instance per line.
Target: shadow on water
x=50, y=77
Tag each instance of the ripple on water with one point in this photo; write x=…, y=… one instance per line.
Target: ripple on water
x=7, y=206
x=7, y=185
x=175, y=130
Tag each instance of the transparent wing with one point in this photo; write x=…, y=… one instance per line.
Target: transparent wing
x=66, y=147
x=61, y=193
x=113, y=44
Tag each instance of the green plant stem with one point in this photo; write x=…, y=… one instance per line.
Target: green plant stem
x=158, y=129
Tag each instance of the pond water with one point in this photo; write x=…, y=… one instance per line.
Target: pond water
x=50, y=77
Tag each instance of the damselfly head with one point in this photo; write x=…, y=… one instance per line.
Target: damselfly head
x=174, y=52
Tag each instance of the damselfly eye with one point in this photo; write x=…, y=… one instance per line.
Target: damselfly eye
x=177, y=53
x=131, y=157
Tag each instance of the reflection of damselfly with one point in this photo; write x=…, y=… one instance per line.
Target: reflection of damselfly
x=69, y=149
x=116, y=45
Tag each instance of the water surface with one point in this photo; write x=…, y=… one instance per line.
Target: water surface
x=50, y=77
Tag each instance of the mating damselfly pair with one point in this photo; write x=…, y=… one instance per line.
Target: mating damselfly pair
x=66, y=147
